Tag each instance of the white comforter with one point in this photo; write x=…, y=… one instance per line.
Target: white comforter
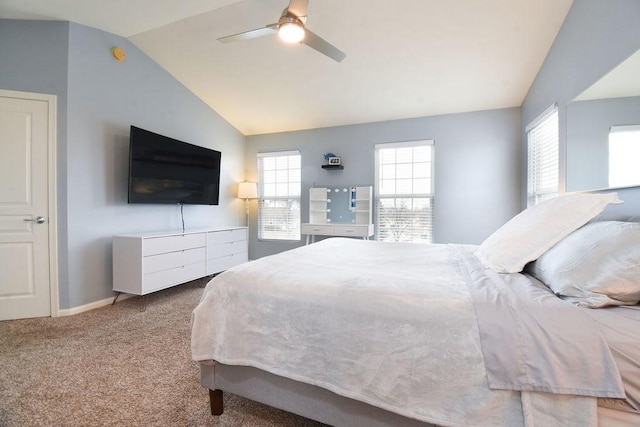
x=389, y=324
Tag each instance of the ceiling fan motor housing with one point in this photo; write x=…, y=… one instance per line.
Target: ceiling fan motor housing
x=290, y=27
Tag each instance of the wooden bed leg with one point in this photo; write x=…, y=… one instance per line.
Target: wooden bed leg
x=215, y=399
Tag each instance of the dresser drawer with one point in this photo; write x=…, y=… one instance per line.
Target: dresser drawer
x=159, y=245
x=226, y=236
x=319, y=229
x=224, y=249
x=166, y=278
x=219, y=264
x=170, y=260
x=351, y=230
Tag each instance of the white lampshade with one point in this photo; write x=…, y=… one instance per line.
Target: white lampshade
x=247, y=190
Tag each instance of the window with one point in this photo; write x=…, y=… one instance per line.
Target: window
x=624, y=152
x=279, y=186
x=404, y=192
x=542, y=164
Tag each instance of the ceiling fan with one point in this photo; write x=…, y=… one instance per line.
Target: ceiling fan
x=290, y=27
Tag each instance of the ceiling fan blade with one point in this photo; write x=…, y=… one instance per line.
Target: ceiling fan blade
x=298, y=7
x=251, y=34
x=316, y=42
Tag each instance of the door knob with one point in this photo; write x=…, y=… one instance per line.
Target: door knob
x=37, y=220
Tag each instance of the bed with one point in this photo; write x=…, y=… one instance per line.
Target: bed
x=351, y=332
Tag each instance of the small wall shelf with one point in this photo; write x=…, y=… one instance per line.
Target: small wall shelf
x=332, y=167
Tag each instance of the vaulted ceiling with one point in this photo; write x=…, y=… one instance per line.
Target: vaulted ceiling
x=405, y=58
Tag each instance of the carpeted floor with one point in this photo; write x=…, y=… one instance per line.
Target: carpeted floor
x=115, y=366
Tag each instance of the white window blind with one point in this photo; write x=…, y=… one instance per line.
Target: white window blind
x=279, y=188
x=542, y=164
x=404, y=191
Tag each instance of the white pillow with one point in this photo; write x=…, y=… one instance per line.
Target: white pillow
x=595, y=266
x=535, y=230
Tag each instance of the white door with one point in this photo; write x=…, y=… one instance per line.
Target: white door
x=25, y=141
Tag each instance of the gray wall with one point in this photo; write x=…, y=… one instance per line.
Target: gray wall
x=39, y=52
x=480, y=179
x=596, y=36
x=100, y=100
x=476, y=168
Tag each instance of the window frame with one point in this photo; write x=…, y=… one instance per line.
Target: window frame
x=430, y=196
x=538, y=173
x=295, y=223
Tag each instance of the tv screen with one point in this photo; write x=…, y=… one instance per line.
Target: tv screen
x=165, y=170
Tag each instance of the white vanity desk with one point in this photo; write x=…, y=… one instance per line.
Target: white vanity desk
x=342, y=230
x=339, y=211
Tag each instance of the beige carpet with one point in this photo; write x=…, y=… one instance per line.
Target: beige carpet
x=115, y=366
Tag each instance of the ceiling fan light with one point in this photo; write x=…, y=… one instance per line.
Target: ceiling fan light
x=291, y=32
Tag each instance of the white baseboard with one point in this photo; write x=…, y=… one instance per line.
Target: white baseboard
x=91, y=306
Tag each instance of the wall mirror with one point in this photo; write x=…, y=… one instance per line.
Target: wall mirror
x=603, y=131
x=340, y=208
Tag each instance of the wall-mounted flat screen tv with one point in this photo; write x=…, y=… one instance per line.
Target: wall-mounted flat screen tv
x=165, y=170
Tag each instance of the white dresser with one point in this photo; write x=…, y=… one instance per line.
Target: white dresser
x=148, y=262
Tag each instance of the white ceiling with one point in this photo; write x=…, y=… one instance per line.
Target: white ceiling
x=405, y=58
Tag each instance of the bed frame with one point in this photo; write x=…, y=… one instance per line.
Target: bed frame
x=322, y=405
x=303, y=399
